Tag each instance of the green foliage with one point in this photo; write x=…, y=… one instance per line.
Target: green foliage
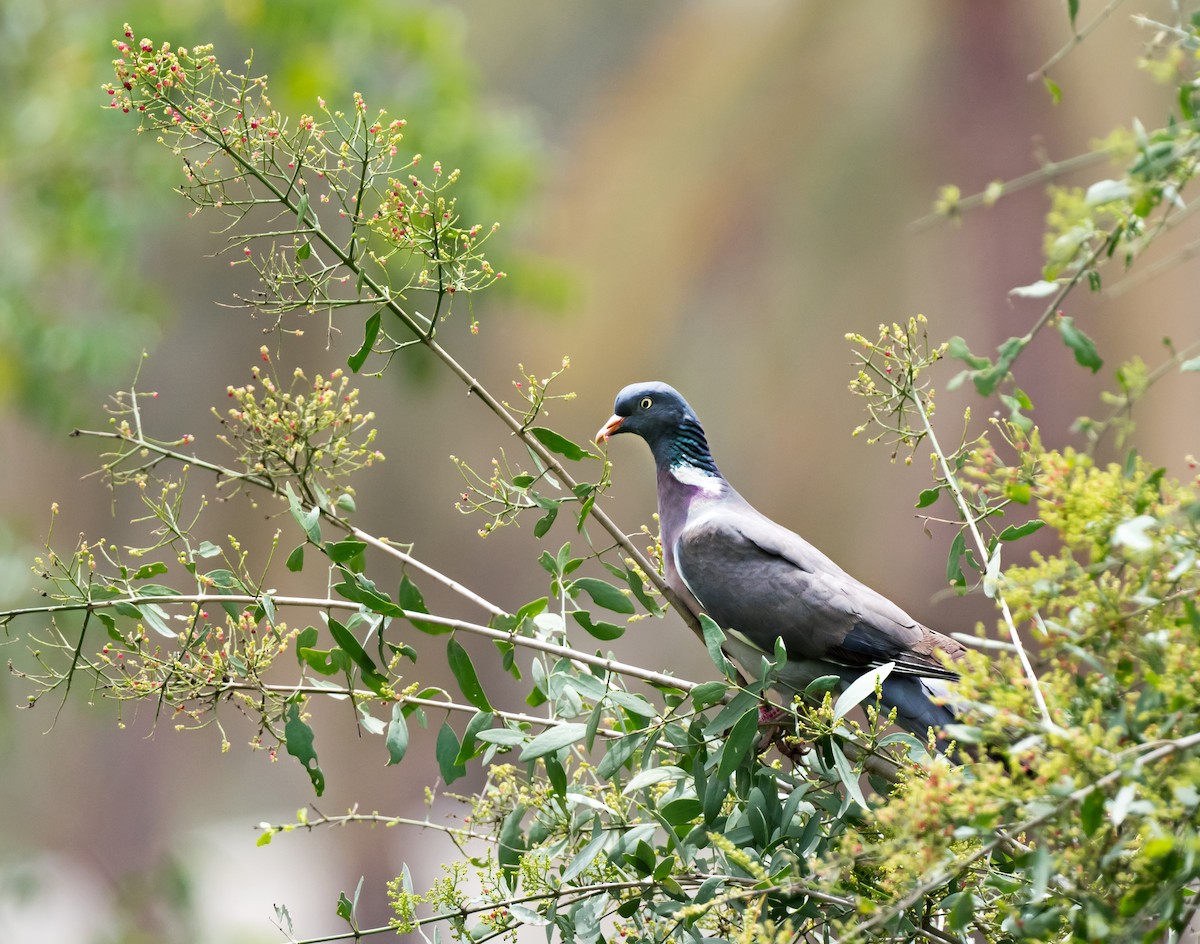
x=68, y=214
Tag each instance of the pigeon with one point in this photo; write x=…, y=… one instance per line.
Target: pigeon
x=761, y=581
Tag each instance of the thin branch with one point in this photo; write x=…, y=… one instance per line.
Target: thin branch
x=981, y=546
x=364, y=694
x=1078, y=37
x=1047, y=171
x=384, y=545
x=271, y=486
x=200, y=599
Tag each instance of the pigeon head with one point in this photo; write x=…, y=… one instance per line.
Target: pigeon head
x=656, y=412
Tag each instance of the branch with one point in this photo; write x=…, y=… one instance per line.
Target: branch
x=269, y=484
x=658, y=679
x=981, y=546
x=1078, y=37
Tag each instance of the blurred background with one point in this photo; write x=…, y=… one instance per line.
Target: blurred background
x=708, y=193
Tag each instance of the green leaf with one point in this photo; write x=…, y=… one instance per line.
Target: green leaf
x=587, y=855
x=961, y=907
x=303, y=251
x=479, y=723
x=1091, y=812
x=110, y=625
x=617, y=755
x=954, y=573
x=823, y=684
x=560, y=444
x=306, y=640
x=306, y=519
x=708, y=693
x=1053, y=89
x=464, y=673
x=505, y=737
x=397, y=735
x=512, y=844
x=847, y=776
x=156, y=618
x=681, y=811
x=605, y=632
x=639, y=590
x=861, y=689
x=1083, y=346
x=1072, y=12
x=543, y=523
x=299, y=741
x=988, y=380
x=370, y=333
x=302, y=207
x=323, y=661
x=739, y=743
x=928, y=497
x=1013, y=532
x=358, y=655
x=361, y=589
x=411, y=602
x=267, y=605
x=957, y=348
x=146, y=571
x=343, y=551
x=553, y=739
x=295, y=560
x=446, y=751
x=714, y=638
x=602, y=593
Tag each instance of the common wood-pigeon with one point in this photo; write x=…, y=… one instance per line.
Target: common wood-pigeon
x=761, y=581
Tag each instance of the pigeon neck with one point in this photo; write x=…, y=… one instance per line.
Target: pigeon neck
x=686, y=451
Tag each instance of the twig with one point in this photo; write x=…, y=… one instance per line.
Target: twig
x=1047, y=171
x=387, y=547
x=271, y=486
x=981, y=546
x=200, y=599
x=1076, y=39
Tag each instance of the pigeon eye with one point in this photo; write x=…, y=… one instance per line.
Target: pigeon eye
x=646, y=403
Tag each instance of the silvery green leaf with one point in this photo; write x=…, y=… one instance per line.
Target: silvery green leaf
x=652, y=776
x=1106, y=191
x=861, y=689
x=1132, y=533
x=1039, y=289
x=993, y=577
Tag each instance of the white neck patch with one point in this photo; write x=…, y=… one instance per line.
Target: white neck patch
x=708, y=483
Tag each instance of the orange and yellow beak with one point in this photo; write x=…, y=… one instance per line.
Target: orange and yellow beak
x=609, y=428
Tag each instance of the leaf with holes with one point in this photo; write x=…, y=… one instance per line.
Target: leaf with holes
x=299, y=741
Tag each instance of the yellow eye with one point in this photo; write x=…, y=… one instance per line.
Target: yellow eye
x=646, y=403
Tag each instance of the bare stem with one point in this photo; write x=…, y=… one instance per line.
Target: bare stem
x=1078, y=37
x=981, y=546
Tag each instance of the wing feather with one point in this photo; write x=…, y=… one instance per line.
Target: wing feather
x=765, y=581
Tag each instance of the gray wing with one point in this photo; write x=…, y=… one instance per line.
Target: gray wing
x=758, y=578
